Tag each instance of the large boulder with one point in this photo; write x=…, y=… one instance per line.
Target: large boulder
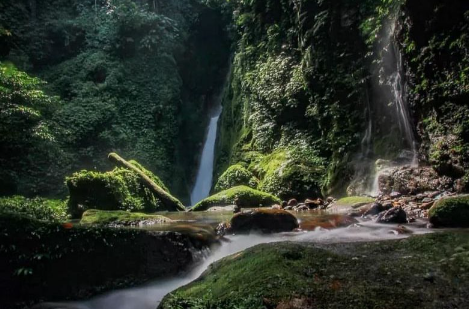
x=263, y=220
x=393, y=215
x=413, y=180
x=242, y=196
x=450, y=212
x=119, y=189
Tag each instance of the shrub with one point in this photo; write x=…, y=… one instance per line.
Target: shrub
x=35, y=208
x=236, y=175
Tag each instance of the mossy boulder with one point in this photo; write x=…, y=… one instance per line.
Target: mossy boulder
x=411, y=273
x=245, y=196
x=119, y=189
x=121, y=218
x=263, y=220
x=450, y=212
x=236, y=175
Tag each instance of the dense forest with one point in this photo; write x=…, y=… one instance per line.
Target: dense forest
x=105, y=107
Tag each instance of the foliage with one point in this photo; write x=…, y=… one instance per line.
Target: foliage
x=35, y=208
x=116, y=217
x=236, y=175
x=119, y=189
x=450, y=212
x=245, y=196
x=29, y=150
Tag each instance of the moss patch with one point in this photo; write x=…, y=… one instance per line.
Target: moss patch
x=236, y=175
x=101, y=217
x=450, y=212
x=420, y=272
x=246, y=196
x=352, y=200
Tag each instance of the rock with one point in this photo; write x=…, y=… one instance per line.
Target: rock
x=292, y=202
x=313, y=204
x=329, y=221
x=427, y=200
x=302, y=207
x=276, y=206
x=450, y=212
x=395, y=194
x=413, y=180
x=288, y=208
x=264, y=220
x=376, y=208
x=393, y=215
x=330, y=199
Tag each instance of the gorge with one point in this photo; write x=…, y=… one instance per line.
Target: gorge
x=234, y=154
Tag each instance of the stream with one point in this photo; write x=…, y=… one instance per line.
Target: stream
x=148, y=296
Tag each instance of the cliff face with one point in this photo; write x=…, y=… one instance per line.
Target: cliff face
x=297, y=111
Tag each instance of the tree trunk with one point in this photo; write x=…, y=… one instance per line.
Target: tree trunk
x=168, y=200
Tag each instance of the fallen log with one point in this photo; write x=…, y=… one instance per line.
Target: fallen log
x=167, y=199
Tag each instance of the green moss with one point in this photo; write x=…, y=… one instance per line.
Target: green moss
x=35, y=208
x=351, y=200
x=101, y=217
x=236, y=175
x=119, y=189
x=450, y=212
x=355, y=276
x=247, y=197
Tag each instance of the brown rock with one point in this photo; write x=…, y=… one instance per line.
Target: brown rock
x=292, y=202
x=264, y=220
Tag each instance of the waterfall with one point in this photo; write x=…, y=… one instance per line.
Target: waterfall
x=203, y=182
x=388, y=116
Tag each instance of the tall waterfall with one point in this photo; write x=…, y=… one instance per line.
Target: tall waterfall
x=203, y=182
x=388, y=116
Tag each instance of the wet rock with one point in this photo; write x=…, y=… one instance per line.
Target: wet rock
x=376, y=208
x=292, y=202
x=413, y=180
x=426, y=206
x=276, y=206
x=313, y=204
x=264, y=220
x=288, y=208
x=302, y=207
x=327, y=222
x=427, y=200
x=395, y=194
x=393, y=215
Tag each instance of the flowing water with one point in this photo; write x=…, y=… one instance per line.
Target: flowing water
x=203, y=182
x=386, y=109
x=149, y=296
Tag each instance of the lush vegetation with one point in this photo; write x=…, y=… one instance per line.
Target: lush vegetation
x=243, y=195
x=450, y=212
x=34, y=208
x=119, y=81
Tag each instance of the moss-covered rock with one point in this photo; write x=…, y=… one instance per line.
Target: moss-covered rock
x=245, y=196
x=120, y=218
x=236, y=175
x=119, y=189
x=450, y=212
x=53, y=262
x=354, y=200
x=35, y=208
x=263, y=220
x=418, y=272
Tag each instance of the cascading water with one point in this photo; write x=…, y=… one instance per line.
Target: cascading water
x=388, y=116
x=203, y=181
x=204, y=178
